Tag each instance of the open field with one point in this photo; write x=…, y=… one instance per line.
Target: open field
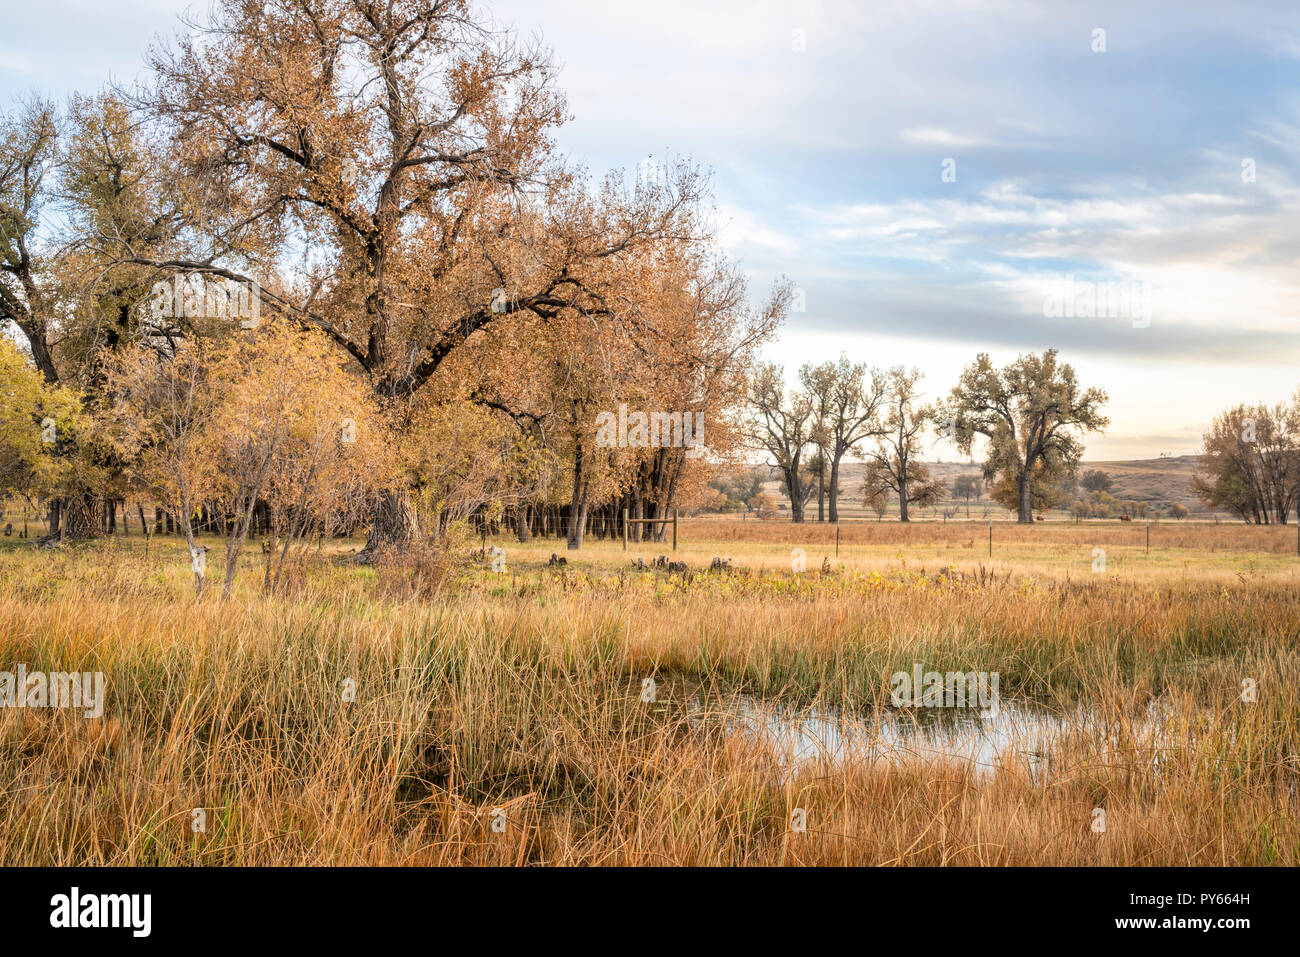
x=524, y=691
x=1191, y=550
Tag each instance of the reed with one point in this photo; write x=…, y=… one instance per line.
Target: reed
x=521, y=694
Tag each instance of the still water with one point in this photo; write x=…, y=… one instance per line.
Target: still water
x=1013, y=733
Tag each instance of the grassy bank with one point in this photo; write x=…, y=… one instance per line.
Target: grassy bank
x=522, y=691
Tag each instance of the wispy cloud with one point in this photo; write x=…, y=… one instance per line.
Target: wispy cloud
x=935, y=136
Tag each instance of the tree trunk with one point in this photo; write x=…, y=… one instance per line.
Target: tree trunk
x=1026, y=516
x=577, y=521
x=395, y=524
x=794, y=490
x=578, y=503
x=41, y=354
x=821, y=490
x=83, y=517
x=670, y=494
x=834, y=497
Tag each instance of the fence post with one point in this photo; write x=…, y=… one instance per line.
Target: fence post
x=990, y=538
x=1148, y=536
x=674, y=529
x=624, y=529
x=837, y=538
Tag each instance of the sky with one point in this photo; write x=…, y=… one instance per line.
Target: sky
x=938, y=179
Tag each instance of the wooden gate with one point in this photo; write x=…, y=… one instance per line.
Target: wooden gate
x=629, y=522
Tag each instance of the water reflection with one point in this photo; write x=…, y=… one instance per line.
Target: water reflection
x=1018, y=733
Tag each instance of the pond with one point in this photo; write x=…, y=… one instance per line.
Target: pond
x=1012, y=733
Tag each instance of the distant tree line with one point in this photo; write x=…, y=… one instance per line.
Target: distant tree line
x=1030, y=417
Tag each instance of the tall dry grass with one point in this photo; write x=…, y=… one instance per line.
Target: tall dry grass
x=522, y=692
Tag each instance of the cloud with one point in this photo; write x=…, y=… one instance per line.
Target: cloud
x=933, y=136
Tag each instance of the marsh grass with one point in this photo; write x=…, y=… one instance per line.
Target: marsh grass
x=521, y=692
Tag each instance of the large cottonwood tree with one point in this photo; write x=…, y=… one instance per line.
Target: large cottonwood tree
x=847, y=397
x=893, y=464
x=78, y=189
x=28, y=148
x=1033, y=413
x=401, y=150
x=781, y=425
x=1251, y=462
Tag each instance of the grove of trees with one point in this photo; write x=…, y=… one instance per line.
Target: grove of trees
x=325, y=269
x=1031, y=414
